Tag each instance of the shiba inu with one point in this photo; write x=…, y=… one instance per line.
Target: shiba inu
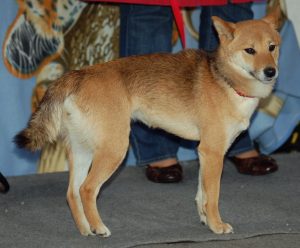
x=192, y=94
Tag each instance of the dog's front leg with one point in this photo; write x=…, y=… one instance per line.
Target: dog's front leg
x=211, y=164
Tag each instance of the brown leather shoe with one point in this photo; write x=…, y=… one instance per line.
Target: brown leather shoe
x=255, y=166
x=170, y=174
x=4, y=186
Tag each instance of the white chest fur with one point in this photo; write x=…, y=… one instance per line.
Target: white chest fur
x=244, y=107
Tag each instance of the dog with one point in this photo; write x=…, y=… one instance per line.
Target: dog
x=195, y=95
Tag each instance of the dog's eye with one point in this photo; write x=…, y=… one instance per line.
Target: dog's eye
x=250, y=51
x=272, y=48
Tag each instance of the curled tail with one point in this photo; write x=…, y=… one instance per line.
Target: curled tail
x=42, y=128
x=44, y=125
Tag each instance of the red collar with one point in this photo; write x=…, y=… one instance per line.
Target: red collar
x=242, y=94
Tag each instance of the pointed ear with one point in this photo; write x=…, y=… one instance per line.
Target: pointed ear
x=274, y=18
x=224, y=29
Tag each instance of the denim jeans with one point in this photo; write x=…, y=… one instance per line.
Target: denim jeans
x=148, y=29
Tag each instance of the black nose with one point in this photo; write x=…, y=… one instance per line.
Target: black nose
x=270, y=72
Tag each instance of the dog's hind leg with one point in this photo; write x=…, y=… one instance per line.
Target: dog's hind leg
x=108, y=156
x=79, y=163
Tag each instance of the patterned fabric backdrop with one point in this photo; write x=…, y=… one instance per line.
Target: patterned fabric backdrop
x=45, y=39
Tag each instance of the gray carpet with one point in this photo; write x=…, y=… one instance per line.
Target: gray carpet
x=140, y=213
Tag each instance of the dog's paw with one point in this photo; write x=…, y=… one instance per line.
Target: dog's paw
x=84, y=229
x=102, y=231
x=221, y=228
x=86, y=232
x=201, y=211
x=203, y=218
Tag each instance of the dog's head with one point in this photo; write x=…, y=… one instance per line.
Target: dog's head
x=251, y=49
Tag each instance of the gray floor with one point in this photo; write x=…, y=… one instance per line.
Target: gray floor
x=264, y=211
x=264, y=241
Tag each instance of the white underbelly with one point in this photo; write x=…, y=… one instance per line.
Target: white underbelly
x=177, y=125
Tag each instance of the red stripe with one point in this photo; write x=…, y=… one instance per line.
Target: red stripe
x=178, y=20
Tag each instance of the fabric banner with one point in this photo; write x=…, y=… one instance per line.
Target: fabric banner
x=40, y=41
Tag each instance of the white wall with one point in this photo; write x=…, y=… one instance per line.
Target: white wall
x=293, y=9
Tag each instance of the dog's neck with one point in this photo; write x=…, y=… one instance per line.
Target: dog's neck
x=242, y=94
x=218, y=69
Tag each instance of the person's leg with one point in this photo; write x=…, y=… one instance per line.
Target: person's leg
x=231, y=12
x=243, y=148
x=151, y=146
x=144, y=30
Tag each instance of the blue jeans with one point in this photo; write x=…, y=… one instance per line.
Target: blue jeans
x=148, y=29
x=144, y=30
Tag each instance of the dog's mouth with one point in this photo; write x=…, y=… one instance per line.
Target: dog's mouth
x=261, y=77
x=269, y=79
